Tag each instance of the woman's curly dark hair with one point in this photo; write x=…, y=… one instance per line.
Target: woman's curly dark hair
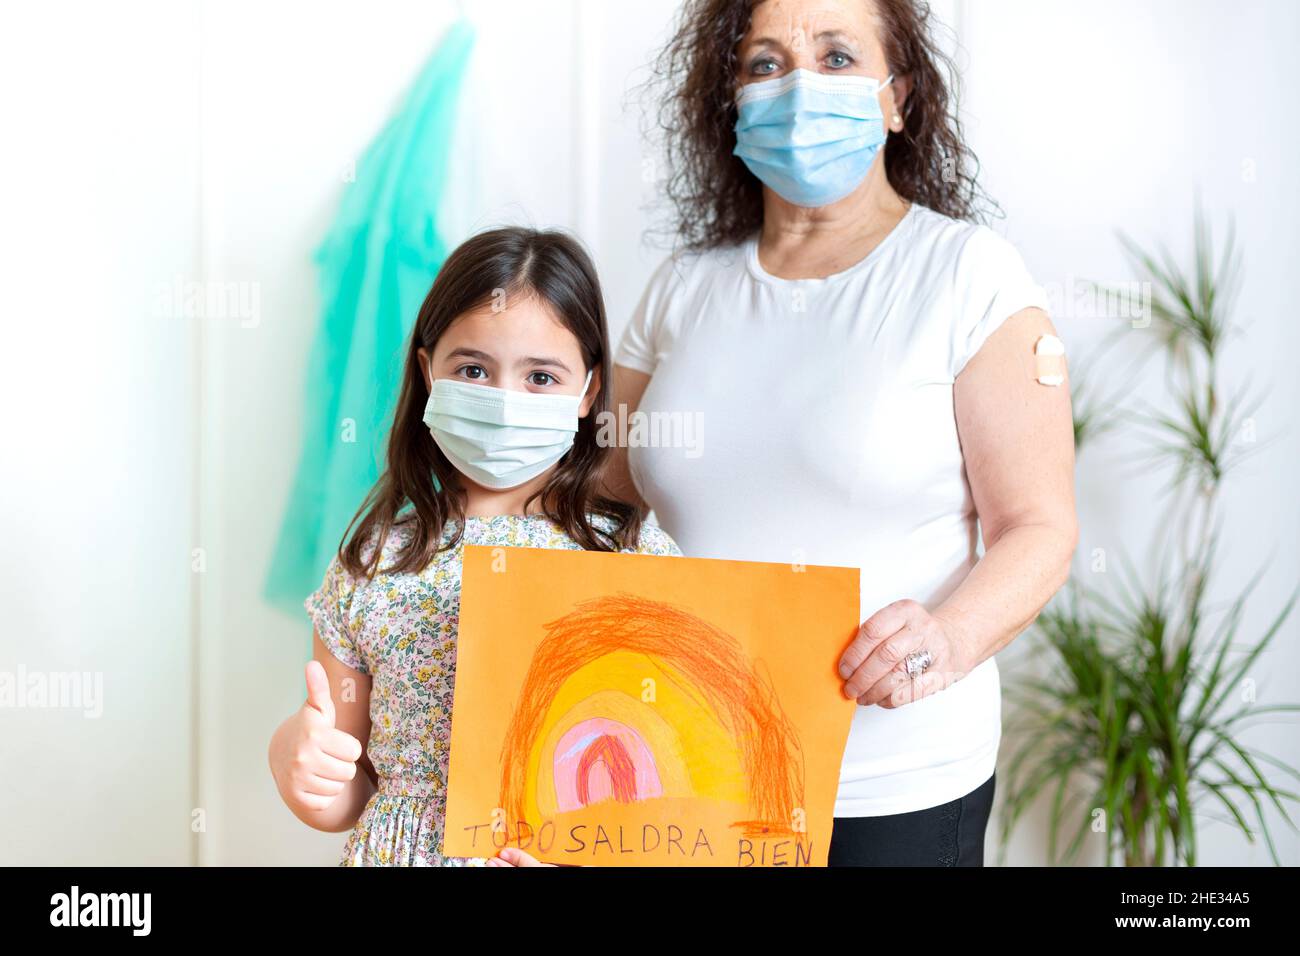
x=716, y=199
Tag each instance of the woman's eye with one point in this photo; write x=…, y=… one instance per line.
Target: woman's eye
x=763, y=67
x=473, y=371
x=838, y=61
x=541, y=379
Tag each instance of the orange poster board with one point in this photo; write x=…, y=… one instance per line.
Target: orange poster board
x=637, y=710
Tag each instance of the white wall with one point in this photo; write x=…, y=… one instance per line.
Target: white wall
x=209, y=141
x=98, y=202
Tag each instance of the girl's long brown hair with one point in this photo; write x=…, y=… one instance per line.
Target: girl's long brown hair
x=553, y=267
x=717, y=201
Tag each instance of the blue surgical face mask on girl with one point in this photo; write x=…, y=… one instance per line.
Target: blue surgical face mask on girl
x=811, y=137
x=499, y=438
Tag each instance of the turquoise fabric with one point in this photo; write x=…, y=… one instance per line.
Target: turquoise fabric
x=375, y=268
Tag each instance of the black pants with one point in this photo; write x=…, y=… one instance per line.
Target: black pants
x=951, y=834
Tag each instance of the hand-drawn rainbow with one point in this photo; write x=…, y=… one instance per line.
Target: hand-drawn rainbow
x=630, y=700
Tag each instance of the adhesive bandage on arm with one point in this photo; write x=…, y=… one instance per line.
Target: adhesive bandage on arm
x=1049, y=360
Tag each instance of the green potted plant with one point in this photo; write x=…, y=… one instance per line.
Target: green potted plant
x=1134, y=724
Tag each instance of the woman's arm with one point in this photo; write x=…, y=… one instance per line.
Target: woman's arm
x=629, y=387
x=1018, y=442
x=1017, y=439
x=315, y=753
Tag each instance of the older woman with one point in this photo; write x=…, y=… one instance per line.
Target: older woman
x=861, y=356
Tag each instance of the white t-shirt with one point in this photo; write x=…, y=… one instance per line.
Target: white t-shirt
x=828, y=436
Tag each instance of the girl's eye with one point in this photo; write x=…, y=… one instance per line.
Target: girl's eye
x=541, y=379
x=764, y=67
x=838, y=61
x=472, y=371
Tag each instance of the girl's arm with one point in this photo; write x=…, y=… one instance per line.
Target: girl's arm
x=315, y=753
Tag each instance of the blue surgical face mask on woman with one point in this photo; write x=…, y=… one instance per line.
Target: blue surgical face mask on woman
x=498, y=437
x=811, y=137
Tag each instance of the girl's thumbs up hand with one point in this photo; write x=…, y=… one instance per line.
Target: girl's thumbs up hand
x=311, y=760
x=318, y=692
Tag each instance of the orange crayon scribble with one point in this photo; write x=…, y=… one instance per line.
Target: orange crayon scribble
x=711, y=660
x=762, y=829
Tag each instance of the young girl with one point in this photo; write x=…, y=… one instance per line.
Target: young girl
x=493, y=443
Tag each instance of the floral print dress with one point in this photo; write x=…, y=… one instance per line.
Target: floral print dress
x=400, y=629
